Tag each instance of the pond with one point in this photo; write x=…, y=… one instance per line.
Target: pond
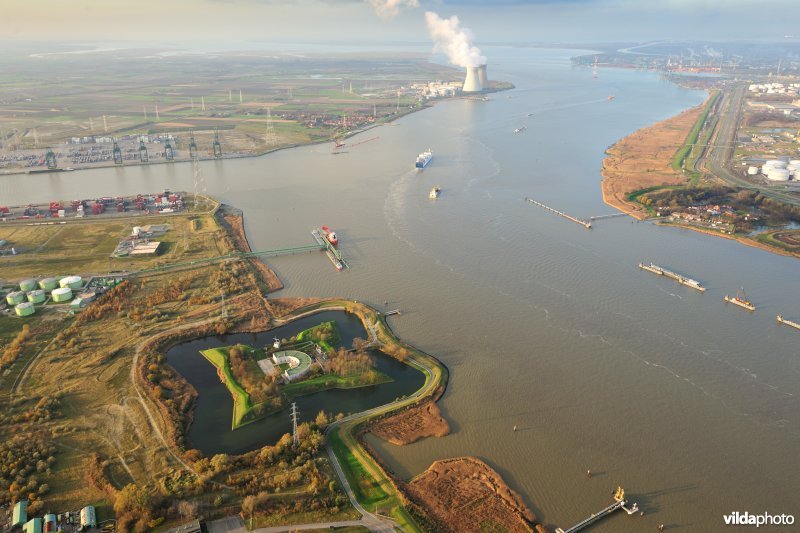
x=210, y=430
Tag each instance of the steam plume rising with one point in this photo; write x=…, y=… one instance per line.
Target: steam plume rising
x=449, y=37
x=387, y=9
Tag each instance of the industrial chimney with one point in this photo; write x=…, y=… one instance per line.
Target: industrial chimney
x=472, y=83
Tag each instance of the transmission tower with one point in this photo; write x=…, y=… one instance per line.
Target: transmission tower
x=269, y=135
x=295, y=436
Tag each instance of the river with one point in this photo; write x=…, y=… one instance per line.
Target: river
x=690, y=404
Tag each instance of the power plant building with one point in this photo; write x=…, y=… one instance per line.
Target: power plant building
x=476, y=81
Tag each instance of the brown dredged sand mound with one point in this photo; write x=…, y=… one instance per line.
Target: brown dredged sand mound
x=466, y=494
x=644, y=159
x=411, y=425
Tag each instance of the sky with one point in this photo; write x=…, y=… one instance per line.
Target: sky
x=535, y=21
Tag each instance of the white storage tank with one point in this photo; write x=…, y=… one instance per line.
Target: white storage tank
x=752, y=171
x=776, y=163
x=24, y=309
x=27, y=285
x=37, y=296
x=73, y=282
x=48, y=284
x=16, y=297
x=64, y=294
x=778, y=174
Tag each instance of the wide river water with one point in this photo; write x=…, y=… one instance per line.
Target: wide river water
x=690, y=404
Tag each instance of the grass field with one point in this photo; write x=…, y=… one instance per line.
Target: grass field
x=241, y=400
x=84, y=248
x=683, y=152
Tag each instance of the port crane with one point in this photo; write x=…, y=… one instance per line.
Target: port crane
x=169, y=152
x=117, y=153
x=192, y=146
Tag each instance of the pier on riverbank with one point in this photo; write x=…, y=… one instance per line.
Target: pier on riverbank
x=585, y=224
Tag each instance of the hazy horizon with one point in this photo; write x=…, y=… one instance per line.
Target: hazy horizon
x=365, y=22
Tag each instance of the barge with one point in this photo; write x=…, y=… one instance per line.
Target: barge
x=788, y=322
x=683, y=280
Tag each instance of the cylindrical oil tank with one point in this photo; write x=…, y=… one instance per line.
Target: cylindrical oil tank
x=48, y=284
x=776, y=163
x=16, y=297
x=73, y=282
x=778, y=174
x=63, y=294
x=50, y=524
x=37, y=296
x=24, y=309
x=752, y=171
x=27, y=285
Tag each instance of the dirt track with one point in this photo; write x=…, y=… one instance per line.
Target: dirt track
x=465, y=494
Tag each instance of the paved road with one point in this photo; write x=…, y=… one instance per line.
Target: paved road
x=721, y=147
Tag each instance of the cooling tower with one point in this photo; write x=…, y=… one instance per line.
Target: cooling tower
x=472, y=84
x=482, y=77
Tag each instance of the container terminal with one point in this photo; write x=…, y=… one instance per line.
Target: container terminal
x=683, y=280
x=147, y=204
x=788, y=322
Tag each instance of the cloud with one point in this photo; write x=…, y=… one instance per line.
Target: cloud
x=388, y=9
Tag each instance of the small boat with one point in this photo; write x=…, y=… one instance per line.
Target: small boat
x=330, y=235
x=520, y=130
x=611, y=97
x=434, y=194
x=741, y=300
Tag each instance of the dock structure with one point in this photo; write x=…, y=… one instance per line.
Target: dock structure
x=330, y=250
x=683, y=280
x=585, y=224
x=612, y=215
x=787, y=322
x=619, y=503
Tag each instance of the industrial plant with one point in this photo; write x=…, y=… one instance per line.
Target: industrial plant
x=476, y=80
